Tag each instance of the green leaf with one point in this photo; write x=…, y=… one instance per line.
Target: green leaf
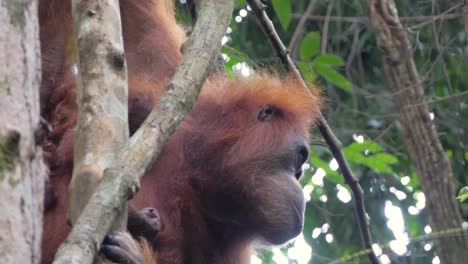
x=366, y=145
x=310, y=46
x=463, y=194
x=333, y=77
x=378, y=164
x=307, y=72
x=374, y=159
x=239, y=3
x=283, y=10
x=329, y=59
x=414, y=182
x=386, y=158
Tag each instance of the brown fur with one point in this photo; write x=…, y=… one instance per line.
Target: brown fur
x=224, y=180
x=143, y=250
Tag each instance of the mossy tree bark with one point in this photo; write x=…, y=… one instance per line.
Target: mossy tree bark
x=22, y=172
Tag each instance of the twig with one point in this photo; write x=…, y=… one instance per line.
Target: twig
x=318, y=143
x=326, y=23
x=122, y=181
x=335, y=146
x=300, y=27
x=449, y=97
x=441, y=15
x=435, y=37
x=365, y=20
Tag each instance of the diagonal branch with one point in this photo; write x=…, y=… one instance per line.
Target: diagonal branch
x=121, y=181
x=297, y=35
x=101, y=81
x=334, y=144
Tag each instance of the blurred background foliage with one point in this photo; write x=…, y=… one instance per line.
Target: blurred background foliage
x=336, y=48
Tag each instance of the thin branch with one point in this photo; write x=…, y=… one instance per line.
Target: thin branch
x=365, y=20
x=318, y=143
x=335, y=146
x=449, y=97
x=446, y=12
x=122, y=181
x=300, y=27
x=435, y=36
x=326, y=23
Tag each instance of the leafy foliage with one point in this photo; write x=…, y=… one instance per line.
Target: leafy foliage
x=310, y=46
x=370, y=155
x=463, y=194
x=283, y=10
x=322, y=65
x=363, y=117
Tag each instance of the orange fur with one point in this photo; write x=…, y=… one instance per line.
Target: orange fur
x=140, y=247
x=224, y=180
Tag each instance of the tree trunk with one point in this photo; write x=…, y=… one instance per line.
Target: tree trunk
x=22, y=174
x=419, y=133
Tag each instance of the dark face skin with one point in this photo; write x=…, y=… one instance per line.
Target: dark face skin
x=262, y=198
x=256, y=195
x=247, y=184
x=280, y=203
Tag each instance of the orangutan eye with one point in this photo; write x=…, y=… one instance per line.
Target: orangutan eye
x=267, y=113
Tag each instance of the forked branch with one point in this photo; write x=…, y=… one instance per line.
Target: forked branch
x=122, y=180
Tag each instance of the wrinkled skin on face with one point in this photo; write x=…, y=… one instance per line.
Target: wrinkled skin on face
x=259, y=147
